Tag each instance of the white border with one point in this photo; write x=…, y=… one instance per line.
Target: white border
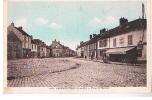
x=120, y=90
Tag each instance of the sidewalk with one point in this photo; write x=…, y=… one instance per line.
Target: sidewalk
x=110, y=62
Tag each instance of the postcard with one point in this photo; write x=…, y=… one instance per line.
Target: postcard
x=78, y=46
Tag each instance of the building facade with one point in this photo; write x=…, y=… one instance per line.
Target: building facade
x=41, y=48
x=121, y=43
x=124, y=43
x=56, y=49
x=21, y=36
x=59, y=50
x=14, y=46
x=34, y=50
x=48, y=51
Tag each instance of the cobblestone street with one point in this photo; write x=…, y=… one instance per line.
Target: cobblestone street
x=73, y=73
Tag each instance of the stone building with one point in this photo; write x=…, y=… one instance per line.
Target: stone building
x=25, y=42
x=14, y=46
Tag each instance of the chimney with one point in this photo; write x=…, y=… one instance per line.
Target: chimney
x=20, y=27
x=123, y=21
x=12, y=24
x=90, y=36
x=102, y=30
x=94, y=35
x=81, y=42
x=31, y=37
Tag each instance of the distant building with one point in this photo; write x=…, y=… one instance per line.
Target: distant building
x=59, y=50
x=34, y=49
x=48, y=51
x=78, y=51
x=56, y=49
x=41, y=48
x=21, y=38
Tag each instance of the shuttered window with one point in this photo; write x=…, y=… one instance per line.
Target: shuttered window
x=130, y=42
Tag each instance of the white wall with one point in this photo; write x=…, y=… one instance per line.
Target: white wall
x=136, y=35
x=34, y=49
x=79, y=52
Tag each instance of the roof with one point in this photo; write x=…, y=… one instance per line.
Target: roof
x=56, y=45
x=127, y=27
x=33, y=41
x=83, y=44
x=94, y=39
x=39, y=42
x=121, y=29
x=22, y=31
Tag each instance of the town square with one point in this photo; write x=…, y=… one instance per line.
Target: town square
x=77, y=44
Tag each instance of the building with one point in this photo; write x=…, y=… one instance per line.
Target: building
x=48, y=51
x=59, y=50
x=34, y=49
x=19, y=37
x=78, y=51
x=41, y=48
x=14, y=46
x=56, y=49
x=124, y=43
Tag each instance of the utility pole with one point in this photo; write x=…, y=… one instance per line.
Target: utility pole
x=141, y=43
x=143, y=11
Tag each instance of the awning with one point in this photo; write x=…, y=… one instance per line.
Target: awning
x=119, y=50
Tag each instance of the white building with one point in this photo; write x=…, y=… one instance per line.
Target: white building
x=121, y=43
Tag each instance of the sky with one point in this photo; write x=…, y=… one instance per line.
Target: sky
x=70, y=22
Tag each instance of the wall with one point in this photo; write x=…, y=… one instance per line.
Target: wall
x=25, y=43
x=136, y=38
x=105, y=46
x=34, y=49
x=57, y=52
x=16, y=32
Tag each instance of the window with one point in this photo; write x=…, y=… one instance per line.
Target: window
x=114, y=42
x=32, y=46
x=130, y=40
x=121, y=41
x=103, y=43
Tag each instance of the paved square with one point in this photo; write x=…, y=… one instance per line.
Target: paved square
x=73, y=73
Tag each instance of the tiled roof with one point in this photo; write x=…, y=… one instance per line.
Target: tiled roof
x=39, y=42
x=127, y=27
x=23, y=32
x=121, y=29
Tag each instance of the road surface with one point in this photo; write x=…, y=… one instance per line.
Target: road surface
x=73, y=73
